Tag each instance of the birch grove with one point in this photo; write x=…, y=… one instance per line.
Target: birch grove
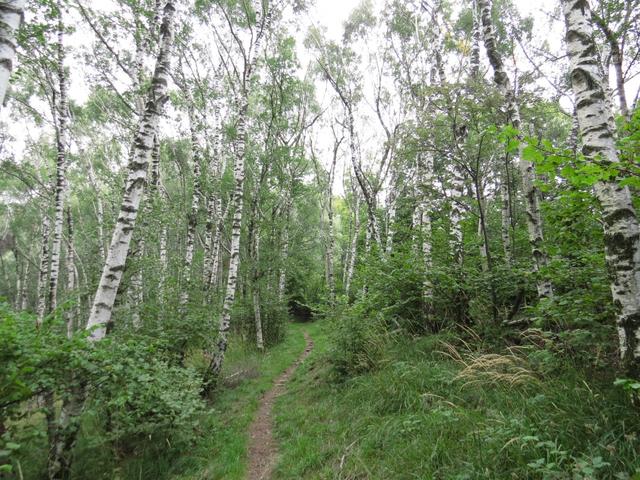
x=440, y=195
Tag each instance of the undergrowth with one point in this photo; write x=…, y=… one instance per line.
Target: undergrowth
x=213, y=446
x=435, y=407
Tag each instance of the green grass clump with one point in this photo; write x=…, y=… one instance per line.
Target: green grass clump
x=435, y=410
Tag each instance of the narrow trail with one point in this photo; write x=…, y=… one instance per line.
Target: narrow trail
x=262, y=446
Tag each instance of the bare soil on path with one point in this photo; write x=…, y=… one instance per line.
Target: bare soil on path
x=262, y=446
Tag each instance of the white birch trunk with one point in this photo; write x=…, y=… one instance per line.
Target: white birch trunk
x=62, y=117
x=71, y=274
x=424, y=178
x=532, y=196
x=238, y=196
x=505, y=210
x=209, y=233
x=255, y=290
x=330, y=248
x=353, y=251
x=391, y=212
x=100, y=314
x=282, y=274
x=11, y=12
x=99, y=212
x=482, y=248
x=476, y=37
x=164, y=259
x=18, y=265
x=234, y=260
x=214, y=282
x=457, y=194
x=43, y=273
x=621, y=229
x=24, y=297
x=192, y=221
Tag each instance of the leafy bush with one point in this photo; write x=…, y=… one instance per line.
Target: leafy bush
x=358, y=342
x=138, y=394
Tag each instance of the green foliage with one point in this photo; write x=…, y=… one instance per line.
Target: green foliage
x=133, y=390
x=141, y=394
x=417, y=416
x=359, y=342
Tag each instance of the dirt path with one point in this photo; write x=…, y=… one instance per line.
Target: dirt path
x=262, y=445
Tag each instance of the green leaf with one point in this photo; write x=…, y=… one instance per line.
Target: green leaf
x=532, y=154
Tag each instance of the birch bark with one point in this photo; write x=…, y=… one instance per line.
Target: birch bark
x=11, y=12
x=192, y=221
x=238, y=196
x=621, y=229
x=62, y=120
x=105, y=296
x=282, y=274
x=43, y=273
x=353, y=250
x=531, y=193
x=71, y=274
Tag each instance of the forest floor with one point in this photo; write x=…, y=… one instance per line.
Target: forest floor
x=414, y=415
x=418, y=415
x=262, y=446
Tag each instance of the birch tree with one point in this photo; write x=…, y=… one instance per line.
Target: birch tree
x=11, y=12
x=527, y=172
x=105, y=296
x=250, y=57
x=620, y=221
x=61, y=117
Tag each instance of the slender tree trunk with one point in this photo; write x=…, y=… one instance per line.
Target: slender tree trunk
x=425, y=179
x=11, y=12
x=43, y=272
x=192, y=217
x=62, y=116
x=505, y=210
x=391, y=211
x=255, y=290
x=71, y=274
x=282, y=274
x=234, y=260
x=330, y=246
x=214, y=281
x=476, y=38
x=100, y=314
x=24, y=297
x=621, y=229
x=330, y=249
x=209, y=233
x=457, y=193
x=164, y=259
x=531, y=193
x=353, y=250
x=99, y=212
x=18, y=265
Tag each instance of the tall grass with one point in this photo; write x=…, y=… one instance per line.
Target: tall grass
x=437, y=408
